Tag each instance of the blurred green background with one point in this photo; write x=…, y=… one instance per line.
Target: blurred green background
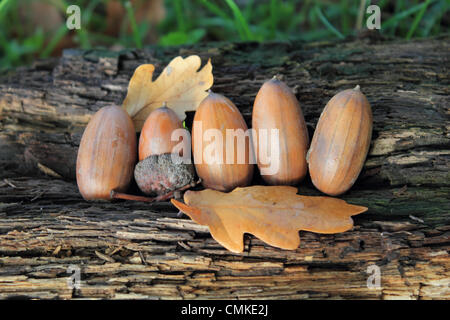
x=31, y=29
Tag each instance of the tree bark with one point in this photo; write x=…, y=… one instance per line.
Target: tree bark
x=137, y=250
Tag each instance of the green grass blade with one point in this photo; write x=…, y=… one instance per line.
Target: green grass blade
x=240, y=20
x=4, y=6
x=134, y=28
x=248, y=11
x=327, y=24
x=417, y=20
x=222, y=14
x=361, y=12
x=345, y=17
x=6, y=46
x=273, y=17
x=403, y=14
x=215, y=9
x=60, y=33
x=84, y=38
x=179, y=14
x=433, y=17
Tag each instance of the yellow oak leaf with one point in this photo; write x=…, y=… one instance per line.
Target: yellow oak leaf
x=181, y=85
x=273, y=214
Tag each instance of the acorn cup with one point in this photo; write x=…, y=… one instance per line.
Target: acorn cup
x=161, y=169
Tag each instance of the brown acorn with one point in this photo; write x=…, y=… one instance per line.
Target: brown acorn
x=231, y=166
x=277, y=108
x=161, y=169
x=156, y=133
x=341, y=141
x=107, y=154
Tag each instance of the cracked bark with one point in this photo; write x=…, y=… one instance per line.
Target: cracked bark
x=133, y=250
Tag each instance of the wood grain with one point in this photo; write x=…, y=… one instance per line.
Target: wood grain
x=132, y=250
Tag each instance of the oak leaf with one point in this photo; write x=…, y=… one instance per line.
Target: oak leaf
x=180, y=85
x=274, y=214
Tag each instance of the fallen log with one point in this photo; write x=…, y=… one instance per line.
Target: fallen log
x=135, y=250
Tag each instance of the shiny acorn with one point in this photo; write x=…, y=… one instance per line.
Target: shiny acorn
x=107, y=154
x=156, y=134
x=277, y=108
x=341, y=142
x=222, y=163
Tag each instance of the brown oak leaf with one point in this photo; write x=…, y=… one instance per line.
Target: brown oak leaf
x=274, y=214
x=180, y=85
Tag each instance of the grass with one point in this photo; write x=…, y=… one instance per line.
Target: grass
x=134, y=27
x=327, y=24
x=240, y=22
x=417, y=19
x=192, y=21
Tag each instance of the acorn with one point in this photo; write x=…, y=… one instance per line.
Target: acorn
x=162, y=168
x=341, y=142
x=157, y=131
x=281, y=161
x=221, y=144
x=107, y=154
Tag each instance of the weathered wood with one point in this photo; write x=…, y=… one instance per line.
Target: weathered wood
x=133, y=250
